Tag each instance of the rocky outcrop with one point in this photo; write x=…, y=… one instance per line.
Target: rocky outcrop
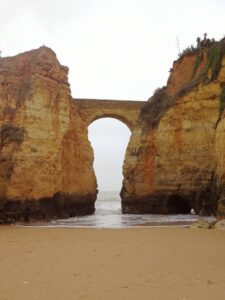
x=220, y=224
x=175, y=160
x=203, y=224
x=45, y=156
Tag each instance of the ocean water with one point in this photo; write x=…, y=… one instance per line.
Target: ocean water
x=108, y=215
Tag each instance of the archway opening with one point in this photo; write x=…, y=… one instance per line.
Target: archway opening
x=109, y=138
x=178, y=205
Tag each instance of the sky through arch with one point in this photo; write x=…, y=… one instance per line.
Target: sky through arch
x=109, y=139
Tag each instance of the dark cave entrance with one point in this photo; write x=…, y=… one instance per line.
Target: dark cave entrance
x=178, y=205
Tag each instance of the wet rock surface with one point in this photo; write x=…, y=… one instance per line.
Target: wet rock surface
x=202, y=224
x=59, y=206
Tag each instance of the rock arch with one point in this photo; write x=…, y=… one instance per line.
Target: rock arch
x=110, y=115
x=46, y=170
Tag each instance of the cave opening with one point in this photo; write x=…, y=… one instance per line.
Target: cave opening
x=178, y=205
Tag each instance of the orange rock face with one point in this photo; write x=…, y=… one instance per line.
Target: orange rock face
x=175, y=159
x=45, y=156
x=176, y=156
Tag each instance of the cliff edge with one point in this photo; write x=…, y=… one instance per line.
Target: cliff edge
x=175, y=160
x=45, y=156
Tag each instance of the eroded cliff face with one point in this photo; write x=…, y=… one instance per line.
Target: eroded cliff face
x=45, y=156
x=175, y=160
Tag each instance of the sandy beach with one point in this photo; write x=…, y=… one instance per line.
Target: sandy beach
x=136, y=263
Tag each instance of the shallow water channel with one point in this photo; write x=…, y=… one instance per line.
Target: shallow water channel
x=108, y=215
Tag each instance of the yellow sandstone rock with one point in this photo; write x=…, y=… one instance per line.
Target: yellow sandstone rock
x=45, y=156
x=179, y=157
x=175, y=160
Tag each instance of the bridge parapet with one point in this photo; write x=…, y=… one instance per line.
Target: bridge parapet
x=126, y=111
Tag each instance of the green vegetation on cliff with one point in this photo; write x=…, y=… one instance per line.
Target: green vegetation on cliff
x=215, y=55
x=156, y=107
x=222, y=101
x=197, y=64
x=161, y=101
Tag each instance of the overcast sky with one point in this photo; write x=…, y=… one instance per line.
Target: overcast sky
x=115, y=49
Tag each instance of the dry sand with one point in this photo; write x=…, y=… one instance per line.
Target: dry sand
x=102, y=264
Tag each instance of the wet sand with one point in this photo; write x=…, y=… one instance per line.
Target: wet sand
x=135, y=264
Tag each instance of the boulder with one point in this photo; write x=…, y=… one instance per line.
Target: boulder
x=202, y=224
x=220, y=224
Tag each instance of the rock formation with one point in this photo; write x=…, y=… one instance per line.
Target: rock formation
x=175, y=160
x=45, y=156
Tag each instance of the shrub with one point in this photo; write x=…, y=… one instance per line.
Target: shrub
x=157, y=105
x=222, y=101
x=196, y=64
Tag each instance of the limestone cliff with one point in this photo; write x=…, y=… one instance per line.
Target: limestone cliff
x=175, y=160
x=45, y=156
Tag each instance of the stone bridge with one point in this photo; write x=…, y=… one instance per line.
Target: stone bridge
x=125, y=111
